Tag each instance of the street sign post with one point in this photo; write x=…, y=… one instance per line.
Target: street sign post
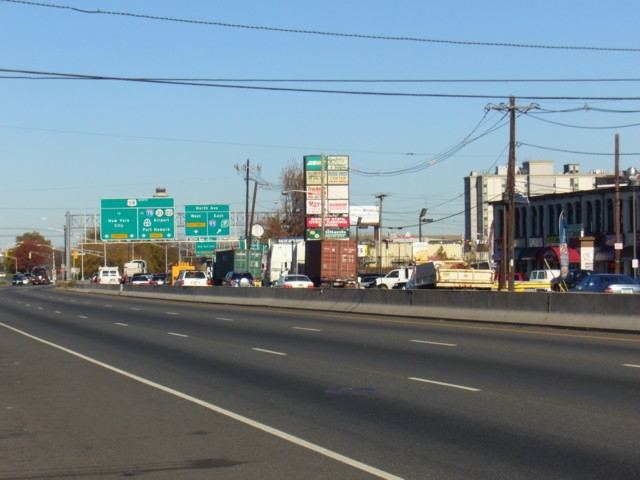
x=137, y=219
x=206, y=220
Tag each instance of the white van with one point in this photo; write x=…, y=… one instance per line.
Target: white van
x=108, y=276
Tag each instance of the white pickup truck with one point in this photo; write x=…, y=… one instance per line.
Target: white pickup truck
x=396, y=278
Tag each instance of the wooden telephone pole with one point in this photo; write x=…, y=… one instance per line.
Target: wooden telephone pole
x=507, y=262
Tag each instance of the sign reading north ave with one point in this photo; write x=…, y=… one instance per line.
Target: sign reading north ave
x=137, y=219
x=206, y=220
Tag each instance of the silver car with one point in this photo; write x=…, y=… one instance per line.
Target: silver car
x=607, y=283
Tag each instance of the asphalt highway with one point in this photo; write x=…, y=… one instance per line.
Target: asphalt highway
x=99, y=386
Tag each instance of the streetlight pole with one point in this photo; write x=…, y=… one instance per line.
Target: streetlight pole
x=423, y=212
x=633, y=181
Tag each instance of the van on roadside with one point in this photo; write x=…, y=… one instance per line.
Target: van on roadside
x=108, y=276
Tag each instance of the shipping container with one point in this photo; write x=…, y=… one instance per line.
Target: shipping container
x=331, y=263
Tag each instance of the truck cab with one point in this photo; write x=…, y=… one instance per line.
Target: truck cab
x=396, y=278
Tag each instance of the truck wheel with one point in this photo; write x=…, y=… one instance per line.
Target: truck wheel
x=383, y=286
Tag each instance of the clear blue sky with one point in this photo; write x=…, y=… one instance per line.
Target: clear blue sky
x=67, y=143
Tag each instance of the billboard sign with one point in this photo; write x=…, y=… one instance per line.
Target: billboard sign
x=329, y=222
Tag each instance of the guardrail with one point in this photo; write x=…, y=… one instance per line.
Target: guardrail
x=615, y=312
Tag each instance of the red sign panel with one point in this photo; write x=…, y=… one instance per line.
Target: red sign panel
x=329, y=222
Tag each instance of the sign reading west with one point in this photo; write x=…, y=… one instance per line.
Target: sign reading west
x=206, y=220
x=137, y=219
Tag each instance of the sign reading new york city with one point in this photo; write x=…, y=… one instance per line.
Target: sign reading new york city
x=204, y=221
x=137, y=219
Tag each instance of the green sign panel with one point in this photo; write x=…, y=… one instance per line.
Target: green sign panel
x=205, y=249
x=206, y=220
x=137, y=219
x=329, y=234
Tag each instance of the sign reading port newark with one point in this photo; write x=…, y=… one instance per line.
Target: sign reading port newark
x=137, y=219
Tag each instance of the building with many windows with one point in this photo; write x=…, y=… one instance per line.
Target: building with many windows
x=592, y=225
x=534, y=178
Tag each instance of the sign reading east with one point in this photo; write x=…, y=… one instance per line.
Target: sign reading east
x=137, y=219
x=206, y=220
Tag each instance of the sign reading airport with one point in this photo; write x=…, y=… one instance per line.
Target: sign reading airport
x=137, y=219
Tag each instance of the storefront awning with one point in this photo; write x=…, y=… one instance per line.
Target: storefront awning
x=552, y=254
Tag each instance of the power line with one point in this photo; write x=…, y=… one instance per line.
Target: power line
x=606, y=154
x=76, y=76
x=326, y=33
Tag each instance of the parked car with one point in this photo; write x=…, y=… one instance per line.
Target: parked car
x=16, y=279
x=562, y=284
x=192, y=278
x=238, y=279
x=293, y=281
x=141, y=279
x=158, y=279
x=607, y=283
x=369, y=280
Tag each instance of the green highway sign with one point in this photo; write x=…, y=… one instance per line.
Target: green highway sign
x=205, y=249
x=137, y=219
x=206, y=220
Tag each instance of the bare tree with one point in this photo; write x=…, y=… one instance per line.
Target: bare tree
x=289, y=218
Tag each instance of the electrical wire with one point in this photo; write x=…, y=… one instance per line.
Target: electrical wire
x=586, y=127
x=607, y=154
x=326, y=33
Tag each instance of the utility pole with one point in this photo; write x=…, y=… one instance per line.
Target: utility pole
x=247, y=221
x=380, y=197
x=509, y=216
x=617, y=206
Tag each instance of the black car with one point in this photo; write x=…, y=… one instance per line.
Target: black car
x=563, y=284
x=16, y=279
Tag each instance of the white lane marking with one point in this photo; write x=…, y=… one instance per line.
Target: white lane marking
x=268, y=351
x=462, y=387
x=630, y=365
x=40, y=308
x=178, y=334
x=108, y=306
x=435, y=343
x=172, y=313
x=82, y=316
x=135, y=309
x=57, y=311
x=307, y=329
x=122, y=324
x=225, y=319
x=227, y=413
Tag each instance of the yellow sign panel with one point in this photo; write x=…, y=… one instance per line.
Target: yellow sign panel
x=196, y=224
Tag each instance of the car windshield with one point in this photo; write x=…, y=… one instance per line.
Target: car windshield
x=296, y=278
x=242, y=275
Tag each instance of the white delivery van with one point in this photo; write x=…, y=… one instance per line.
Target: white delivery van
x=108, y=276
